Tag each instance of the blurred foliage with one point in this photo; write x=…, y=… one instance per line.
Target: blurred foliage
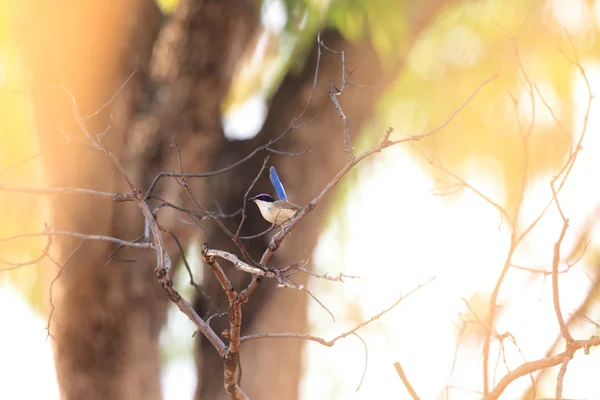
x=284, y=49
x=167, y=7
x=524, y=44
x=17, y=167
x=383, y=21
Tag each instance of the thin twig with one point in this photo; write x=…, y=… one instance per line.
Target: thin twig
x=533, y=366
x=83, y=236
x=331, y=342
x=17, y=265
x=405, y=381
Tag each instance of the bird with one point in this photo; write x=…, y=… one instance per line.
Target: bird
x=277, y=212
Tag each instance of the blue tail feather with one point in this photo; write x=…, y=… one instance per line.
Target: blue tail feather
x=277, y=184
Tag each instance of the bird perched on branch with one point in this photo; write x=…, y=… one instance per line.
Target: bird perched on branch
x=278, y=212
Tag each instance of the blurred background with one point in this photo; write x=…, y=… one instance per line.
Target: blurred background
x=221, y=78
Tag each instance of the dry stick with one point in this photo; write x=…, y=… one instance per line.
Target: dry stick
x=513, y=340
x=331, y=342
x=327, y=276
x=20, y=163
x=192, y=213
x=362, y=378
x=117, y=197
x=17, y=265
x=405, y=381
x=83, y=236
x=464, y=183
x=237, y=232
x=345, y=72
x=347, y=143
x=269, y=229
x=61, y=268
x=258, y=272
x=289, y=153
x=333, y=96
x=561, y=376
x=113, y=254
x=572, y=319
x=288, y=283
x=564, y=330
x=163, y=272
x=216, y=315
x=568, y=260
x=189, y=270
x=232, y=356
x=537, y=365
x=239, y=264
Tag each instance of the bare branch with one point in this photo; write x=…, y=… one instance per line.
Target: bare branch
x=405, y=381
x=561, y=376
x=117, y=197
x=17, y=265
x=537, y=365
x=555, y=295
x=83, y=236
x=362, y=378
x=238, y=264
x=288, y=283
x=331, y=342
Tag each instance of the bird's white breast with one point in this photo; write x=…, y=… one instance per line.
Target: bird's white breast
x=273, y=214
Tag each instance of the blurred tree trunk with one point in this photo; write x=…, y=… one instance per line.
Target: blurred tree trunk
x=107, y=315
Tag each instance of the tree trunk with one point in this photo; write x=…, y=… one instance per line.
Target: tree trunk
x=107, y=315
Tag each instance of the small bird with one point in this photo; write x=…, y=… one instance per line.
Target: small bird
x=278, y=212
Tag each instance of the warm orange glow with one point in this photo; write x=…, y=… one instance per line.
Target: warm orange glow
x=407, y=218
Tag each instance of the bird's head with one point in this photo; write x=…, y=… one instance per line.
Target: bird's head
x=262, y=197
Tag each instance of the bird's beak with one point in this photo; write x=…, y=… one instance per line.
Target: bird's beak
x=251, y=199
